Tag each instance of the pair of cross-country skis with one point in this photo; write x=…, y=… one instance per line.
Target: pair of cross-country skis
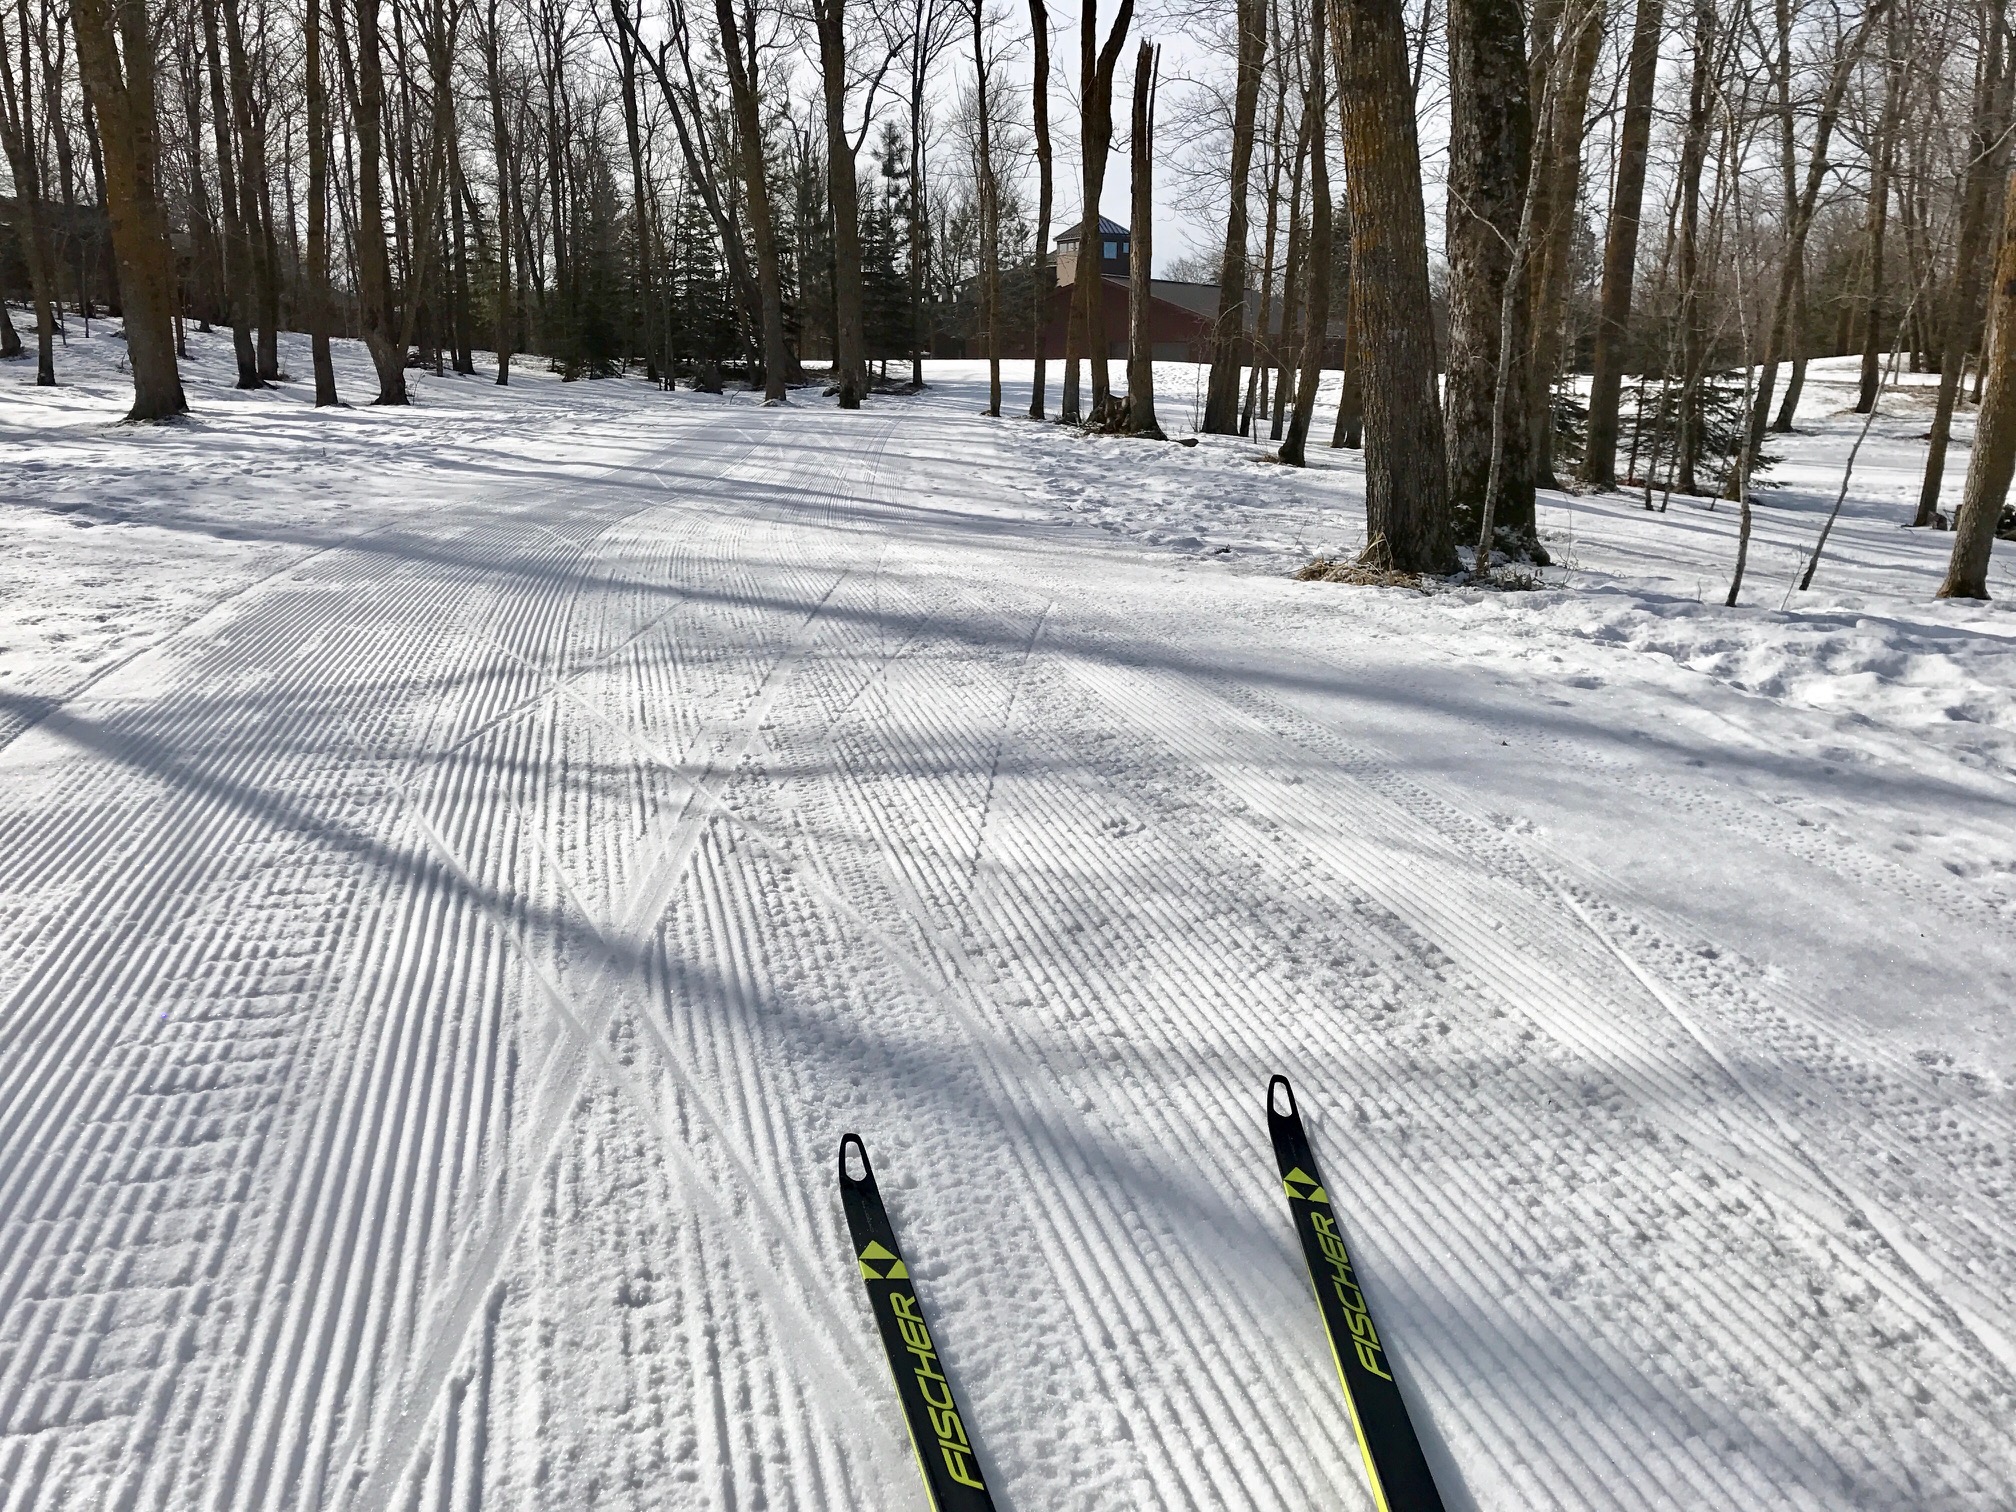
x=1394, y=1464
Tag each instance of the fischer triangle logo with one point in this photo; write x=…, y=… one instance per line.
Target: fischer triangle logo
x=875, y=1251
x=1301, y=1178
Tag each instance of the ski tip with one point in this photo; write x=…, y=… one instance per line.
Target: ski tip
x=847, y=1177
x=1280, y=1097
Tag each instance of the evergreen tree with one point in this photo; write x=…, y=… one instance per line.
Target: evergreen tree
x=885, y=242
x=703, y=314
x=591, y=346
x=1651, y=429
x=811, y=232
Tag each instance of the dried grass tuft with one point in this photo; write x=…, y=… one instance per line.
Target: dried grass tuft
x=1331, y=570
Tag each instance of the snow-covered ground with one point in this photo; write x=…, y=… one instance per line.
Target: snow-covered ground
x=464, y=867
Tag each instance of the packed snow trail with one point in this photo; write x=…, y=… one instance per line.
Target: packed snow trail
x=434, y=982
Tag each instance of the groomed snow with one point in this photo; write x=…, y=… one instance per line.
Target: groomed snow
x=464, y=868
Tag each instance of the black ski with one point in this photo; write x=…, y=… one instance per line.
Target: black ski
x=1393, y=1460
x=938, y=1433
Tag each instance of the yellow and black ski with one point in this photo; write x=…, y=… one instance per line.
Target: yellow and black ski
x=1393, y=1460
x=938, y=1433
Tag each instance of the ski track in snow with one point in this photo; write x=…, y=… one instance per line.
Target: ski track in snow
x=436, y=978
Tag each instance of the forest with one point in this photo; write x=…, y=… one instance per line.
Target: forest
x=1314, y=661
x=1564, y=243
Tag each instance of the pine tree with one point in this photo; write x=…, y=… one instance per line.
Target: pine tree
x=591, y=347
x=885, y=284
x=703, y=310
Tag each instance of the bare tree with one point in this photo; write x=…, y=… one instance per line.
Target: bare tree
x=1960, y=321
x=1141, y=238
x=1096, y=65
x=931, y=28
x=503, y=321
x=255, y=220
x=850, y=372
x=1283, y=348
x=1882, y=161
x=318, y=205
x=738, y=48
x=989, y=205
x=1263, y=324
x=240, y=284
x=375, y=298
x=1316, y=295
x=1778, y=337
x=21, y=140
x=1693, y=161
x=1555, y=73
x=681, y=99
x=1620, y=250
x=1986, y=493
x=1229, y=342
x=624, y=46
x=116, y=56
x=1565, y=65
x=1406, y=477
x=1490, y=162
x=1040, y=281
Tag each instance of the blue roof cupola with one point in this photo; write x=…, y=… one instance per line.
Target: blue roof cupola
x=1115, y=247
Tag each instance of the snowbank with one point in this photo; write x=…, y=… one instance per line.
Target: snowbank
x=1868, y=643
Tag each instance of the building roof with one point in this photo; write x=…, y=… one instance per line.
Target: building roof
x=1199, y=298
x=1106, y=228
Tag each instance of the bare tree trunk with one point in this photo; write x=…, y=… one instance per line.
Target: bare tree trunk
x=1693, y=159
x=742, y=88
x=500, y=146
x=640, y=198
x=1406, y=472
x=1911, y=207
x=1263, y=324
x=1096, y=137
x=1039, y=23
x=318, y=207
x=849, y=369
x=1960, y=322
x=206, y=290
x=1141, y=238
x=19, y=137
x=1989, y=469
x=1781, y=423
x=1570, y=65
x=694, y=150
x=1039, y=27
x=927, y=36
x=1777, y=332
x=1882, y=157
x=1350, y=428
x=240, y=287
x=115, y=55
x=249, y=129
x=1553, y=78
x=1620, y=250
x=1229, y=341
x=374, y=266
x=429, y=176
x=457, y=273
x=990, y=213
x=1316, y=297
x=1291, y=285
x=1490, y=162
x=918, y=223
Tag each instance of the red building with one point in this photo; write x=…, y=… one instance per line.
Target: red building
x=1179, y=318
x=1180, y=315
